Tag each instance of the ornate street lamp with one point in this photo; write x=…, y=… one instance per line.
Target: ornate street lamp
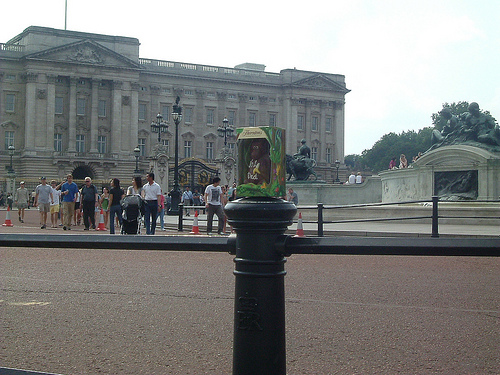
x=337, y=165
x=175, y=194
x=11, y=149
x=137, y=153
x=159, y=126
x=225, y=130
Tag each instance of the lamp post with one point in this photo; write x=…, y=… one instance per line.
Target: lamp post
x=337, y=165
x=137, y=154
x=11, y=149
x=175, y=193
x=225, y=130
x=159, y=126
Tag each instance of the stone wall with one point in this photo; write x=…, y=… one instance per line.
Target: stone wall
x=370, y=191
x=418, y=182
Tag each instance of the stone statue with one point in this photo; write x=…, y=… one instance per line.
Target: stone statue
x=472, y=128
x=300, y=165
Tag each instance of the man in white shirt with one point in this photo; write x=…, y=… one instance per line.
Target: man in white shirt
x=352, y=179
x=213, y=194
x=151, y=193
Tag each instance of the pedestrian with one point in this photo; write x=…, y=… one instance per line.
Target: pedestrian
x=21, y=198
x=136, y=187
x=89, y=202
x=56, y=205
x=352, y=179
x=187, y=199
x=104, y=201
x=43, y=198
x=162, y=211
x=69, y=193
x=293, y=197
x=115, y=196
x=213, y=195
x=359, y=178
x=77, y=215
x=151, y=193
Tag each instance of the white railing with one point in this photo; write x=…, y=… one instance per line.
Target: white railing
x=204, y=68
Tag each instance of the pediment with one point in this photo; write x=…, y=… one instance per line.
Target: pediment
x=85, y=52
x=321, y=82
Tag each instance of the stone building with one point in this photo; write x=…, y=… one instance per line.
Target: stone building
x=74, y=102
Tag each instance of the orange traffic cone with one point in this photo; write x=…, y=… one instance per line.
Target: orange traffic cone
x=8, y=223
x=196, y=229
x=101, y=222
x=300, y=229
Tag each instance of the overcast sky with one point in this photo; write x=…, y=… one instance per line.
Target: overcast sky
x=401, y=59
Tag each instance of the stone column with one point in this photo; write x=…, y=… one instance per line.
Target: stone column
x=116, y=120
x=94, y=116
x=134, y=117
x=51, y=110
x=339, y=131
x=30, y=121
x=72, y=116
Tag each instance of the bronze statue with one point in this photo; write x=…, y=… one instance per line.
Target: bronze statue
x=473, y=128
x=300, y=165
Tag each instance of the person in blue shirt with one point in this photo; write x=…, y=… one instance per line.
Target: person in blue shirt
x=69, y=193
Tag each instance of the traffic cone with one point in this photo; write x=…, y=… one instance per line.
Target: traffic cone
x=196, y=229
x=101, y=222
x=300, y=229
x=8, y=223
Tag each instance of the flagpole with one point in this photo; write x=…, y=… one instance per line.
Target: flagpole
x=65, y=13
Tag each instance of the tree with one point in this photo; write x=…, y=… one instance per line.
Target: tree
x=392, y=145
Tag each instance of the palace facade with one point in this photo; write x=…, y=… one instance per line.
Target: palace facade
x=74, y=102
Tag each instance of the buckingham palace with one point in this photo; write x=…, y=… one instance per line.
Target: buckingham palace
x=81, y=103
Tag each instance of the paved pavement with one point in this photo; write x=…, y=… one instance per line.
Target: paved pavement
x=119, y=312
x=369, y=229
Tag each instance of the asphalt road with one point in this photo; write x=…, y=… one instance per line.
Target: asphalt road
x=142, y=312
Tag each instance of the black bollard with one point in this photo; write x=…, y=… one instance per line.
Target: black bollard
x=259, y=311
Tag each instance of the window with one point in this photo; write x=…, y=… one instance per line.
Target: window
x=142, y=111
x=58, y=142
x=187, y=148
x=59, y=105
x=210, y=150
x=142, y=146
x=272, y=119
x=252, y=119
x=166, y=144
x=210, y=116
x=101, y=144
x=10, y=102
x=315, y=123
x=231, y=96
x=80, y=107
x=231, y=117
x=314, y=153
x=329, y=155
x=328, y=124
x=300, y=122
x=9, y=139
x=188, y=115
x=102, y=108
x=230, y=146
x=165, y=112
x=80, y=143
x=188, y=92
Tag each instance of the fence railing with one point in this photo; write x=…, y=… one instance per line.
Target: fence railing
x=321, y=222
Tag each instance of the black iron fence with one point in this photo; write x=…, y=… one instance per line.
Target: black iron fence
x=321, y=222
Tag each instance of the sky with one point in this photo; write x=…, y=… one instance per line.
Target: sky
x=401, y=59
